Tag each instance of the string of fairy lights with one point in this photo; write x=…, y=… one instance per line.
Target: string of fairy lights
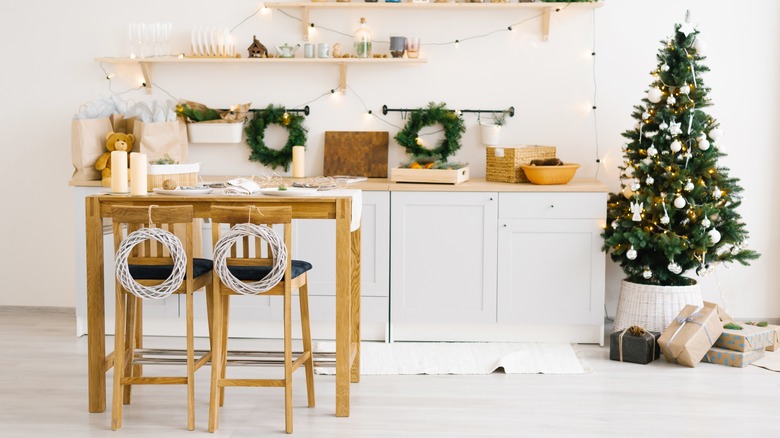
x=262, y=9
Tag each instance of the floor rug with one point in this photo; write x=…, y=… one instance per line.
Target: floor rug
x=379, y=358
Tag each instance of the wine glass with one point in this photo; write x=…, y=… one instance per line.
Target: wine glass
x=150, y=36
x=165, y=36
x=136, y=34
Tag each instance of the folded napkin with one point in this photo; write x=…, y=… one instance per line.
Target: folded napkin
x=241, y=186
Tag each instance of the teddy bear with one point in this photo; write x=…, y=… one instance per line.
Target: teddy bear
x=115, y=141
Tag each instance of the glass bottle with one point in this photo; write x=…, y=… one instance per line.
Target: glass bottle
x=363, y=40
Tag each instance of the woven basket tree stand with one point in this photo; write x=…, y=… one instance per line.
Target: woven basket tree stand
x=653, y=307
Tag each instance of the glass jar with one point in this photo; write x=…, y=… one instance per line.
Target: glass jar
x=363, y=40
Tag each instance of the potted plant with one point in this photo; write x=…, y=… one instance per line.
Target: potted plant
x=676, y=214
x=492, y=131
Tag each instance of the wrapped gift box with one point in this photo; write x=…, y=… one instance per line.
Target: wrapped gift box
x=634, y=345
x=751, y=337
x=691, y=334
x=776, y=345
x=731, y=358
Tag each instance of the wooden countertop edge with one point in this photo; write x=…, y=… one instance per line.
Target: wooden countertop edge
x=472, y=185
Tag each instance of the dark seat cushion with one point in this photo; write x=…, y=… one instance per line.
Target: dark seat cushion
x=152, y=272
x=256, y=273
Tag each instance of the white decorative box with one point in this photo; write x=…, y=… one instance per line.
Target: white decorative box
x=215, y=132
x=183, y=174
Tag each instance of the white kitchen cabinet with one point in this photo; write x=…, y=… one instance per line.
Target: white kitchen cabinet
x=443, y=261
x=550, y=265
x=508, y=267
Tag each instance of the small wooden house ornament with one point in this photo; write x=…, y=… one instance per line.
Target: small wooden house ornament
x=257, y=49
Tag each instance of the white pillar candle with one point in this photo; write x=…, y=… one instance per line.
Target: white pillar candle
x=298, y=160
x=119, y=172
x=137, y=173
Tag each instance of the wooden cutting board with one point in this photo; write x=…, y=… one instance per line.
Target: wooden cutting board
x=358, y=153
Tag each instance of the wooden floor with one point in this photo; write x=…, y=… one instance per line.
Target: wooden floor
x=43, y=394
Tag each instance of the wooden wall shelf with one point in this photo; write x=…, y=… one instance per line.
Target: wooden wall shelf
x=546, y=9
x=146, y=63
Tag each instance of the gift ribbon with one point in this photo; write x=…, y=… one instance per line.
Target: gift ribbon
x=682, y=322
x=639, y=332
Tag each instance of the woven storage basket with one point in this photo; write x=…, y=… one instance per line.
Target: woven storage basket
x=503, y=163
x=653, y=307
x=183, y=174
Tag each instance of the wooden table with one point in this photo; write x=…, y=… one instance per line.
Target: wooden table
x=347, y=277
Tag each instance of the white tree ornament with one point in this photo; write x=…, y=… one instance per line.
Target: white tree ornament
x=654, y=95
x=675, y=128
x=714, y=236
x=652, y=151
x=715, y=134
x=636, y=209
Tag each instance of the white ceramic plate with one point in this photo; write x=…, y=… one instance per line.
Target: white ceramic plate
x=291, y=191
x=184, y=192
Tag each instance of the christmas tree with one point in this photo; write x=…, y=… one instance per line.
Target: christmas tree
x=677, y=209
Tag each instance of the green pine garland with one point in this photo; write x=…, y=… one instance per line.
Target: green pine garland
x=433, y=114
x=255, y=136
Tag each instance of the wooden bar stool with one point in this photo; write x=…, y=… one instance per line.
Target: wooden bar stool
x=153, y=263
x=251, y=259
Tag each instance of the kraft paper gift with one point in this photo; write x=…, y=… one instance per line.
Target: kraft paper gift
x=731, y=358
x=634, y=344
x=776, y=345
x=88, y=143
x=691, y=334
x=161, y=139
x=776, y=328
x=751, y=337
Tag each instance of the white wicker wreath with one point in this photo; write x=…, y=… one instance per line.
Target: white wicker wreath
x=278, y=250
x=174, y=247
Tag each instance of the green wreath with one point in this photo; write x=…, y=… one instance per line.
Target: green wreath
x=255, y=135
x=419, y=118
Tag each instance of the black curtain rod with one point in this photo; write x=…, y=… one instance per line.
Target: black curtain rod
x=510, y=110
x=305, y=110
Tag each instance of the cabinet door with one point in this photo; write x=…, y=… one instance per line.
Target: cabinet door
x=443, y=255
x=550, y=271
x=315, y=242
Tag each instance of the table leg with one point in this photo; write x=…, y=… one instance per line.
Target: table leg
x=96, y=330
x=355, y=297
x=343, y=306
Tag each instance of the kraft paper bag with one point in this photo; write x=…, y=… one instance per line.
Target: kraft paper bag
x=161, y=139
x=87, y=143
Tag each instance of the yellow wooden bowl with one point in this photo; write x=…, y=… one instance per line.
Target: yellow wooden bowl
x=550, y=174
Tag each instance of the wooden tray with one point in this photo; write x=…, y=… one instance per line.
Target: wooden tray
x=435, y=176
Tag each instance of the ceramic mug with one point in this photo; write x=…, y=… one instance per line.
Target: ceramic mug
x=308, y=50
x=323, y=50
x=397, y=46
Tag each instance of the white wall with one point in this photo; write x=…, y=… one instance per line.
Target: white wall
x=50, y=72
